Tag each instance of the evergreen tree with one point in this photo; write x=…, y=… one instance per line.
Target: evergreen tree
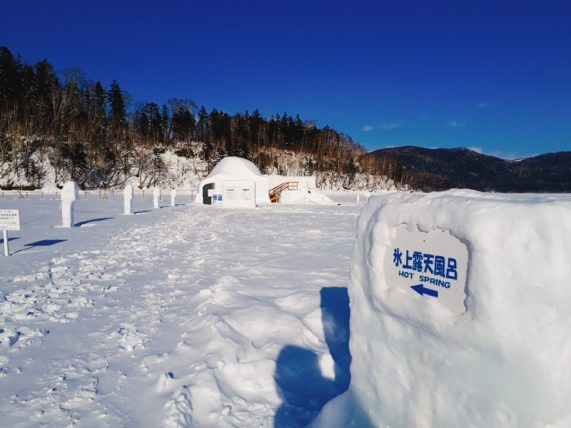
x=46, y=81
x=9, y=76
x=165, y=124
x=118, y=107
x=256, y=122
x=183, y=124
x=203, y=126
x=100, y=101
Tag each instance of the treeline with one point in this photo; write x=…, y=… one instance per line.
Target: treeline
x=89, y=134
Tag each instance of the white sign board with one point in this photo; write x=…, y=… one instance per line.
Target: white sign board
x=239, y=193
x=9, y=220
x=428, y=266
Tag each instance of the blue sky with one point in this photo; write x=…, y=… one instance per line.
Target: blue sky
x=492, y=75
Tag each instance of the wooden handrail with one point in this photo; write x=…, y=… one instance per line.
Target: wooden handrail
x=275, y=192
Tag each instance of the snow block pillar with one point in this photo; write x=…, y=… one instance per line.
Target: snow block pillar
x=128, y=200
x=173, y=198
x=460, y=310
x=69, y=194
x=156, y=197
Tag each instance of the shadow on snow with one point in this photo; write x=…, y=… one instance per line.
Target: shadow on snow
x=94, y=220
x=299, y=378
x=42, y=243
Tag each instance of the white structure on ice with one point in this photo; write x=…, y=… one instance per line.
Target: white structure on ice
x=156, y=198
x=173, y=198
x=238, y=182
x=128, y=199
x=69, y=194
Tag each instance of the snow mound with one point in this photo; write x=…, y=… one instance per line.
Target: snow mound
x=500, y=358
x=295, y=197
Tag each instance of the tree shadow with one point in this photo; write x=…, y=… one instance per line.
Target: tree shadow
x=10, y=238
x=301, y=383
x=94, y=220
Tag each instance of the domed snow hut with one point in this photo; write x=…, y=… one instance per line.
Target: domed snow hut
x=234, y=181
x=238, y=182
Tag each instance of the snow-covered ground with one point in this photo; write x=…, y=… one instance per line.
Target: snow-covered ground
x=184, y=316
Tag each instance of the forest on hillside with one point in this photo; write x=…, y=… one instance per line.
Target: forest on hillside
x=97, y=137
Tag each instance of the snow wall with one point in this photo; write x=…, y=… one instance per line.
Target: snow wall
x=460, y=313
x=292, y=197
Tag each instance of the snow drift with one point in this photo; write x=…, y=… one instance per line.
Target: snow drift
x=305, y=197
x=500, y=359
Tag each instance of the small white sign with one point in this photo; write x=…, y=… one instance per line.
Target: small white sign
x=428, y=266
x=9, y=220
x=230, y=193
x=239, y=193
x=247, y=193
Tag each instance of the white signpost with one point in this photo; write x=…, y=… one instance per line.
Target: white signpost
x=429, y=265
x=9, y=220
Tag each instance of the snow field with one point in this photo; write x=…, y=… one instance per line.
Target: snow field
x=184, y=316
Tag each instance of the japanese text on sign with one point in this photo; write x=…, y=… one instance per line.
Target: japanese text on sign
x=430, y=266
x=427, y=263
x=9, y=220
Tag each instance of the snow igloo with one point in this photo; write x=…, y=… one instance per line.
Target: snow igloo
x=238, y=182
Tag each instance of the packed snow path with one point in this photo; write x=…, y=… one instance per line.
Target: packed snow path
x=184, y=316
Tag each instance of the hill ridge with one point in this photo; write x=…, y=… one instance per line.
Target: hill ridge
x=445, y=168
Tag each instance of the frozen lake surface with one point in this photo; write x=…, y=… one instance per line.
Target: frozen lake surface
x=184, y=316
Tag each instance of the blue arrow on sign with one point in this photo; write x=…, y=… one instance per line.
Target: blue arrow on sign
x=422, y=290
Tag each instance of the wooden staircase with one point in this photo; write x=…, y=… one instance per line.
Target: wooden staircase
x=276, y=192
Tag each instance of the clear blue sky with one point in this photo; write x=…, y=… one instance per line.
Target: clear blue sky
x=493, y=75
